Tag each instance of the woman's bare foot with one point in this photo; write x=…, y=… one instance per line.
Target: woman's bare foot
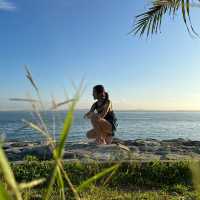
x=100, y=140
x=108, y=139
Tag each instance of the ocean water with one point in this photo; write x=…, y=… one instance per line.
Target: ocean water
x=132, y=125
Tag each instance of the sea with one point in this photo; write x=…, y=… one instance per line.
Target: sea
x=131, y=125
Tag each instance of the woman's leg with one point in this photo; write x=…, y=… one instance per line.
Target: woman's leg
x=102, y=128
x=108, y=139
x=91, y=134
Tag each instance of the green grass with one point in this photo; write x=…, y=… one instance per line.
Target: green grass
x=148, y=180
x=106, y=193
x=134, y=180
x=148, y=174
x=157, y=176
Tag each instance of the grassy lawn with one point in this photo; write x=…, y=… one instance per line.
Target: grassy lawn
x=107, y=193
x=135, y=180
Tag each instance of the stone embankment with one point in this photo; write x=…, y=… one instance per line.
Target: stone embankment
x=139, y=149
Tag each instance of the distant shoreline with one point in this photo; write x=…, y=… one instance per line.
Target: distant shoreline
x=134, y=110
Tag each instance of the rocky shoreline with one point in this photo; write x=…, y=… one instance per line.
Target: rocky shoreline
x=139, y=149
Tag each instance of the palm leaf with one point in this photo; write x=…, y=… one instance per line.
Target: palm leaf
x=189, y=18
x=150, y=21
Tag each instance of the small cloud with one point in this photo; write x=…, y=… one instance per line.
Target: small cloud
x=6, y=5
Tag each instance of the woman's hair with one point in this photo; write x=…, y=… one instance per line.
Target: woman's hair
x=100, y=90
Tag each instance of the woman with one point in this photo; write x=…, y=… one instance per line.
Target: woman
x=103, y=120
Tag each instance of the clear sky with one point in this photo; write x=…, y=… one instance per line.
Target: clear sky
x=65, y=40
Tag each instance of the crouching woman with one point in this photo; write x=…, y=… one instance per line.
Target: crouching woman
x=102, y=117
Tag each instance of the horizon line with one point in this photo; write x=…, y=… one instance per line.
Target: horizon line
x=115, y=110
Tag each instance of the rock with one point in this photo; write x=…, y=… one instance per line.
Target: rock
x=191, y=143
x=178, y=141
x=196, y=150
x=69, y=155
x=139, y=149
x=117, y=140
x=162, y=151
x=129, y=143
x=7, y=145
x=174, y=193
x=14, y=154
x=134, y=149
x=41, y=152
x=148, y=148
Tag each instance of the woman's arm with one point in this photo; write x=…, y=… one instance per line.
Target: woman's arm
x=92, y=109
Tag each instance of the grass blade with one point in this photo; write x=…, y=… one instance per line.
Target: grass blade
x=61, y=183
x=52, y=180
x=195, y=166
x=59, y=150
x=37, y=128
x=67, y=124
x=24, y=99
x=88, y=182
x=3, y=193
x=31, y=184
x=109, y=177
x=63, y=136
x=56, y=105
x=30, y=78
x=8, y=174
x=65, y=131
x=69, y=182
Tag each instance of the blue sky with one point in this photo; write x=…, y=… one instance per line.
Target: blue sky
x=65, y=40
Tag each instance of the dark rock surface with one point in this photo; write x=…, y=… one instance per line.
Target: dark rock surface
x=139, y=149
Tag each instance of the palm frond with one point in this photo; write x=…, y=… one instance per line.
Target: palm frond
x=150, y=21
